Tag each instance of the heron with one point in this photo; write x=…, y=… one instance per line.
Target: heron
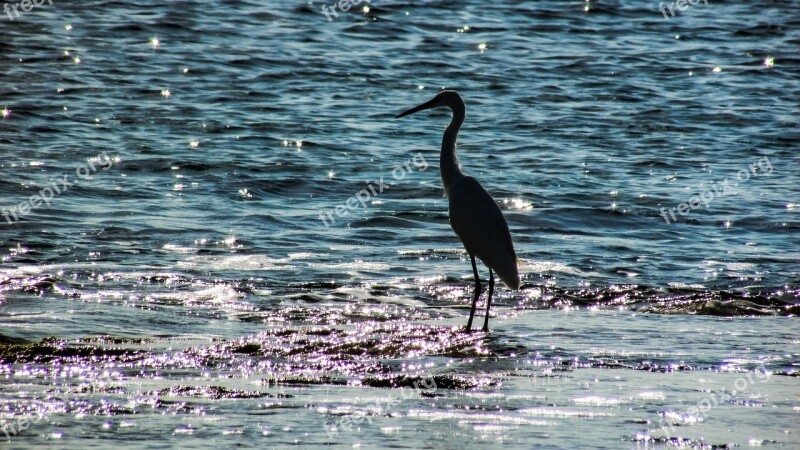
x=474, y=215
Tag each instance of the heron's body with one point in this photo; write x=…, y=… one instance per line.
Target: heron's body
x=483, y=229
x=474, y=215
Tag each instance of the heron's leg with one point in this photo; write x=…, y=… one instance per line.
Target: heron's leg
x=489, y=300
x=477, y=293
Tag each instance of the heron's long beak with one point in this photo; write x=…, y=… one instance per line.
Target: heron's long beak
x=427, y=105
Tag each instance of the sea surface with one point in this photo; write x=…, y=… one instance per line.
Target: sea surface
x=188, y=258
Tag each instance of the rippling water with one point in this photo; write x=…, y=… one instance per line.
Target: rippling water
x=181, y=288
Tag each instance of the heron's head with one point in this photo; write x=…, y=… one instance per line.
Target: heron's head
x=450, y=99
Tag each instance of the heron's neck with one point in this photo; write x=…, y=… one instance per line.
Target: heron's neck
x=448, y=163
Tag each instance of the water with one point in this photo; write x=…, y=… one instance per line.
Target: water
x=183, y=290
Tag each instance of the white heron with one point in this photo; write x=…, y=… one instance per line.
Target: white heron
x=474, y=215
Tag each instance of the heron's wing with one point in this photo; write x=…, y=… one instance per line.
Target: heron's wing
x=479, y=223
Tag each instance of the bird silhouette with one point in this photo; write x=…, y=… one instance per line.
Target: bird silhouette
x=474, y=215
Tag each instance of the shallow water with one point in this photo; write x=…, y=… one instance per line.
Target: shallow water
x=209, y=137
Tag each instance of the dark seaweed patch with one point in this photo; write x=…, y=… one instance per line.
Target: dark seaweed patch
x=215, y=392
x=52, y=349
